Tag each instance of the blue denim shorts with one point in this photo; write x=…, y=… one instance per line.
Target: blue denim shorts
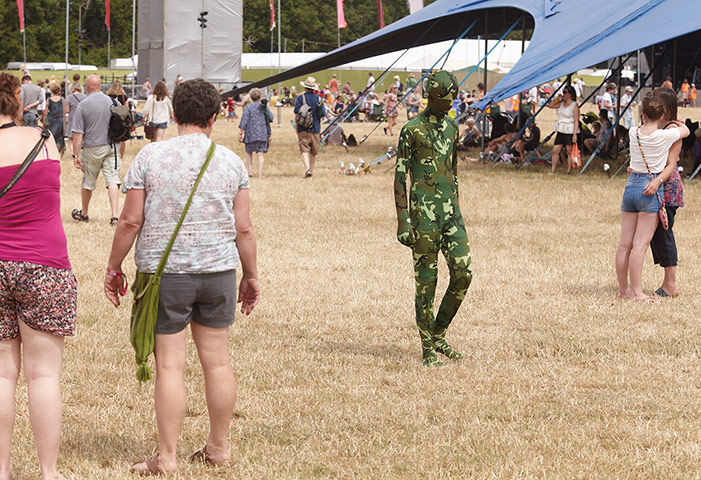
x=633, y=198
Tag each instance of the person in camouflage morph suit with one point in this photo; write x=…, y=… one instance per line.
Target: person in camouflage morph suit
x=431, y=221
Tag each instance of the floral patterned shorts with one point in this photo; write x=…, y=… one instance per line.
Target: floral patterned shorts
x=42, y=297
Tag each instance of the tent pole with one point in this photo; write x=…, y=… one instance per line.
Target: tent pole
x=345, y=114
x=694, y=174
x=618, y=107
x=484, y=81
x=523, y=49
x=428, y=72
x=652, y=64
x=542, y=143
x=596, y=151
x=674, y=66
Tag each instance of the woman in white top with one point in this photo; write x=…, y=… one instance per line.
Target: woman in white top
x=640, y=205
x=158, y=110
x=567, y=125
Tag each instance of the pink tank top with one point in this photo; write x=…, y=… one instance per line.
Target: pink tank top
x=30, y=216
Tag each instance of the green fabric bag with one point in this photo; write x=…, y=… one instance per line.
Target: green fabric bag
x=144, y=311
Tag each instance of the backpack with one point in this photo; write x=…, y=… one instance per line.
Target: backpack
x=121, y=123
x=305, y=115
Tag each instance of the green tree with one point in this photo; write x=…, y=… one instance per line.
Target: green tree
x=45, y=31
x=314, y=22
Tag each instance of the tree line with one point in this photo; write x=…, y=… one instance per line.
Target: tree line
x=313, y=21
x=45, y=31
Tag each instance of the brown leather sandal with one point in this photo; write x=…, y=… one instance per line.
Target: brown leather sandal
x=202, y=456
x=151, y=467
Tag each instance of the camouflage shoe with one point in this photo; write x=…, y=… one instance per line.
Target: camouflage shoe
x=430, y=359
x=442, y=346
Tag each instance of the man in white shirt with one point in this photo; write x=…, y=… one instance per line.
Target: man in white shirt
x=371, y=82
x=627, y=98
x=556, y=85
x=608, y=101
x=578, y=88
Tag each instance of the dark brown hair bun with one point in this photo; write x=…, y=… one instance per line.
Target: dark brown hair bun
x=653, y=108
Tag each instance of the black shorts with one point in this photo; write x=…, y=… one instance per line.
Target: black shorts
x=663, y=245
x=208, y=299
x=563, y=138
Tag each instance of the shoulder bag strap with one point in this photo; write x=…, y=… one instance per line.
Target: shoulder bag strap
x=164, y=259
x=26, y=163
x=640, y=145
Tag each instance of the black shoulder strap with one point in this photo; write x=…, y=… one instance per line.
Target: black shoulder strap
x=668, y=124
x=27, y=162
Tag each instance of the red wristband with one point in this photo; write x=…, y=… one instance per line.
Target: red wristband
x=114, y=273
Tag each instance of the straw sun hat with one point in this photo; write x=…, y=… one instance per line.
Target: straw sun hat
x=310, y=83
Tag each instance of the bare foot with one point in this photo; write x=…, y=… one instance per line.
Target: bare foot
x=153, y=466
x=643, y=298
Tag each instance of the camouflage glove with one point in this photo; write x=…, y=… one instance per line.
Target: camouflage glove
x=406, y=236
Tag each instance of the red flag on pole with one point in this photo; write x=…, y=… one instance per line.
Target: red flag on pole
x=272, y=14
x=380, y=14
x=339, y=14
x=107, y=13
x=20, y=9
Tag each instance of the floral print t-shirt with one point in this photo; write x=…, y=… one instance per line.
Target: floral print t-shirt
x=167, y=170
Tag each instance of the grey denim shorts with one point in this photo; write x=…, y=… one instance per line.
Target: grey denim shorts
x=208, y=299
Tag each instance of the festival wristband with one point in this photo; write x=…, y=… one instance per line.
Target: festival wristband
x=114, y=273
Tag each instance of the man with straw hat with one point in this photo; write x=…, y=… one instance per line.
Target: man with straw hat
x=308, y=136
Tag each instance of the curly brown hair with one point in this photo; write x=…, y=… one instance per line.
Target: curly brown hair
x=9, y=102
x=195, y=102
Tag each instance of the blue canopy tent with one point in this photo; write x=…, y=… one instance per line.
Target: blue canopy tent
x=568, y=35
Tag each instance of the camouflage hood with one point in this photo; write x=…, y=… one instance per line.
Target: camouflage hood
x=442, y=90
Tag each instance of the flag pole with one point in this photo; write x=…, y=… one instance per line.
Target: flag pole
x=109, y=31
x=279, y=55
x=68, y=17
x=133, y=47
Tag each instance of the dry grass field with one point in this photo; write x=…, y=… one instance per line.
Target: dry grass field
x=561, y=381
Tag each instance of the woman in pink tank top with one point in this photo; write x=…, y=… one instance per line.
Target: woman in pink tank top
x=37, y=287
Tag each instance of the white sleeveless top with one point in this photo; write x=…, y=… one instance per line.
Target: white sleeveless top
x=565, y=118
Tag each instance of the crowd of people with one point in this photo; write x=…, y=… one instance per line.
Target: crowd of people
x=38, y=291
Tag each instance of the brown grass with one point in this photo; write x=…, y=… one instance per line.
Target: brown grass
x=561, y=380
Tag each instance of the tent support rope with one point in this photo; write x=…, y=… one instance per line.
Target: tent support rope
x=417, y=83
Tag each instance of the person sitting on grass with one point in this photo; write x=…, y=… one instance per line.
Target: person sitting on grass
x=528, y=142
x=470, y=137
x=493, y=146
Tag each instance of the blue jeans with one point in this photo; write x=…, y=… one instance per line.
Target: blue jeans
x=30, y=119
x=634, y=200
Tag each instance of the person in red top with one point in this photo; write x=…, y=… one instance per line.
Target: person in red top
x=38, y=291
x=333, y=85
